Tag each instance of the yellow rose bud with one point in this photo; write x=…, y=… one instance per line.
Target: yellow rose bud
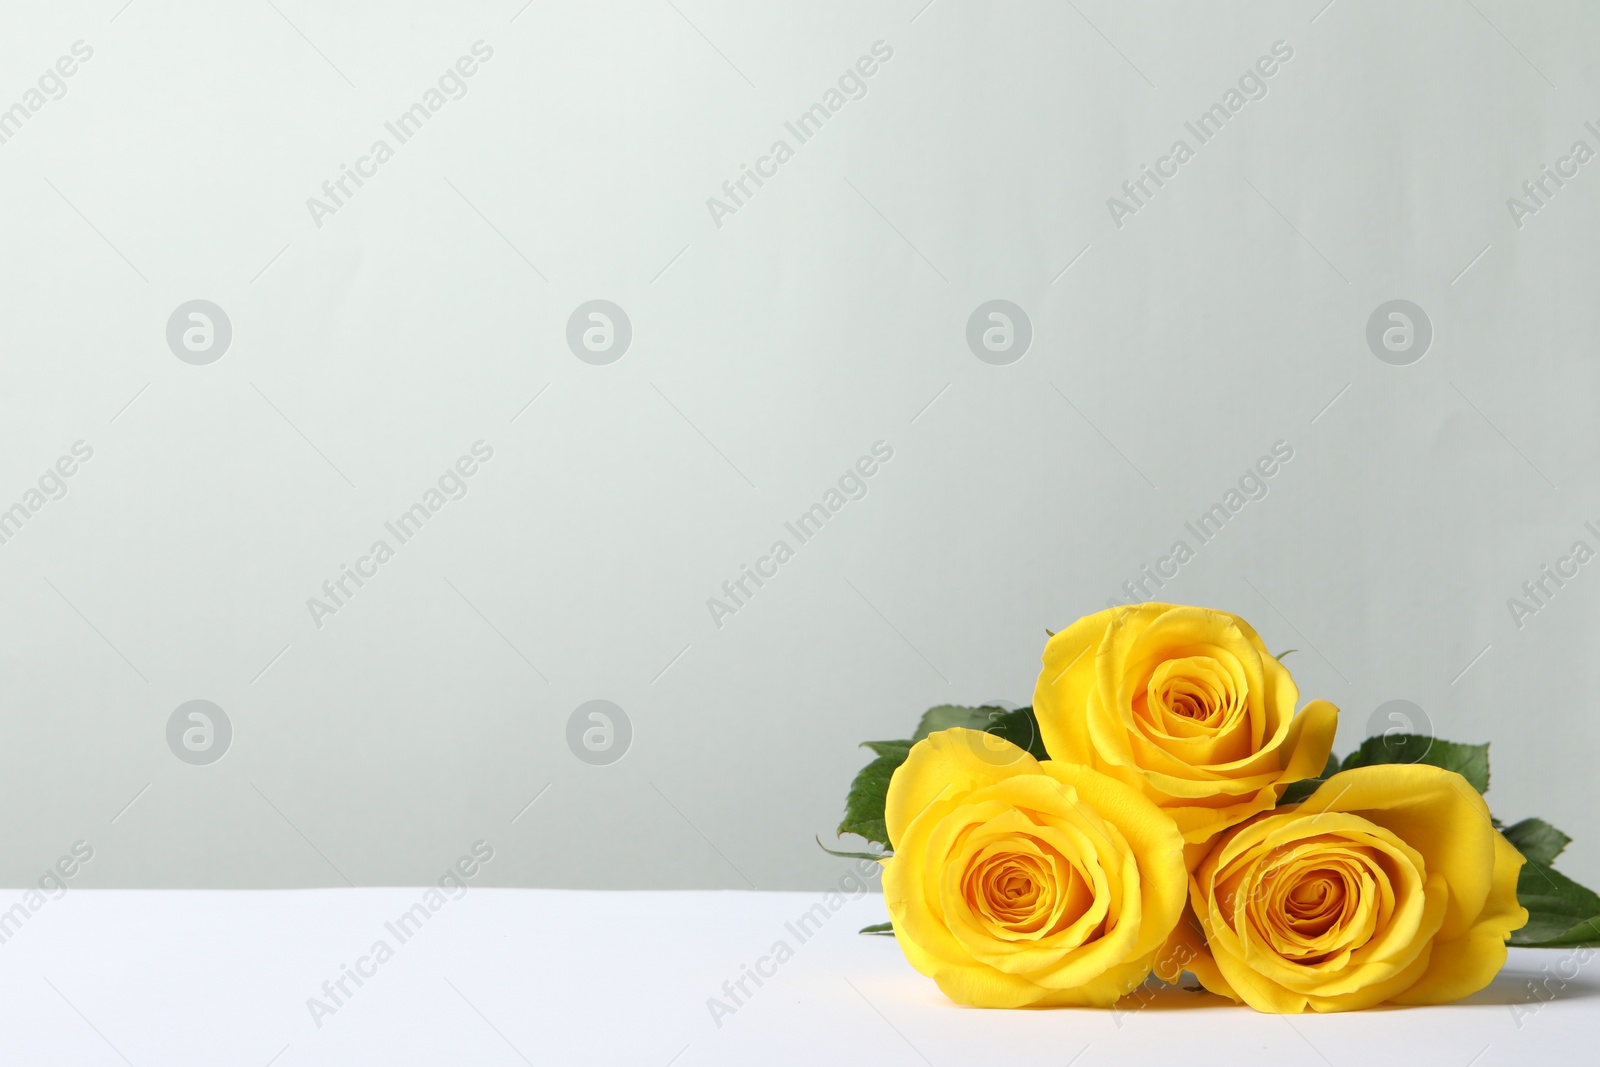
x=1388, y=884
x=1184, y=704
x=1017, y=883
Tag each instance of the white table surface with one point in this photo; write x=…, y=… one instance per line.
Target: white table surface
x=502, y=976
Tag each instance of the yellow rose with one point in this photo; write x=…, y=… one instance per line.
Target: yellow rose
x=1185, y=704
x=1017, y=883
x=1388, y=884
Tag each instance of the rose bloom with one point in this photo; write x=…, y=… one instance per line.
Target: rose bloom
x=1388, y=884
x=1186, y=705
x=1017, y=883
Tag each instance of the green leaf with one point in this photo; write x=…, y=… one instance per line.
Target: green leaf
x=853, y=855
x=1537, y=840
x=863, y=807
x=900, y=749
x=1469, y=761
x=1019, y=727
x=1561, y=913
x=1298, y=791
x=1285, y=652
x=950, y=716
x=879, y=928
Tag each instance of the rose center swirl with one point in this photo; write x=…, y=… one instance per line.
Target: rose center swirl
x=1026, y=891
x=1190, y=697
x=1311, y=907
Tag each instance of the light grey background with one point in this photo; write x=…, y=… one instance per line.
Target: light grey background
x=430, y=311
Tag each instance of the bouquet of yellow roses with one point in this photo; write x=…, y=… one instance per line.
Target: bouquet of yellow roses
x=1163, y=807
